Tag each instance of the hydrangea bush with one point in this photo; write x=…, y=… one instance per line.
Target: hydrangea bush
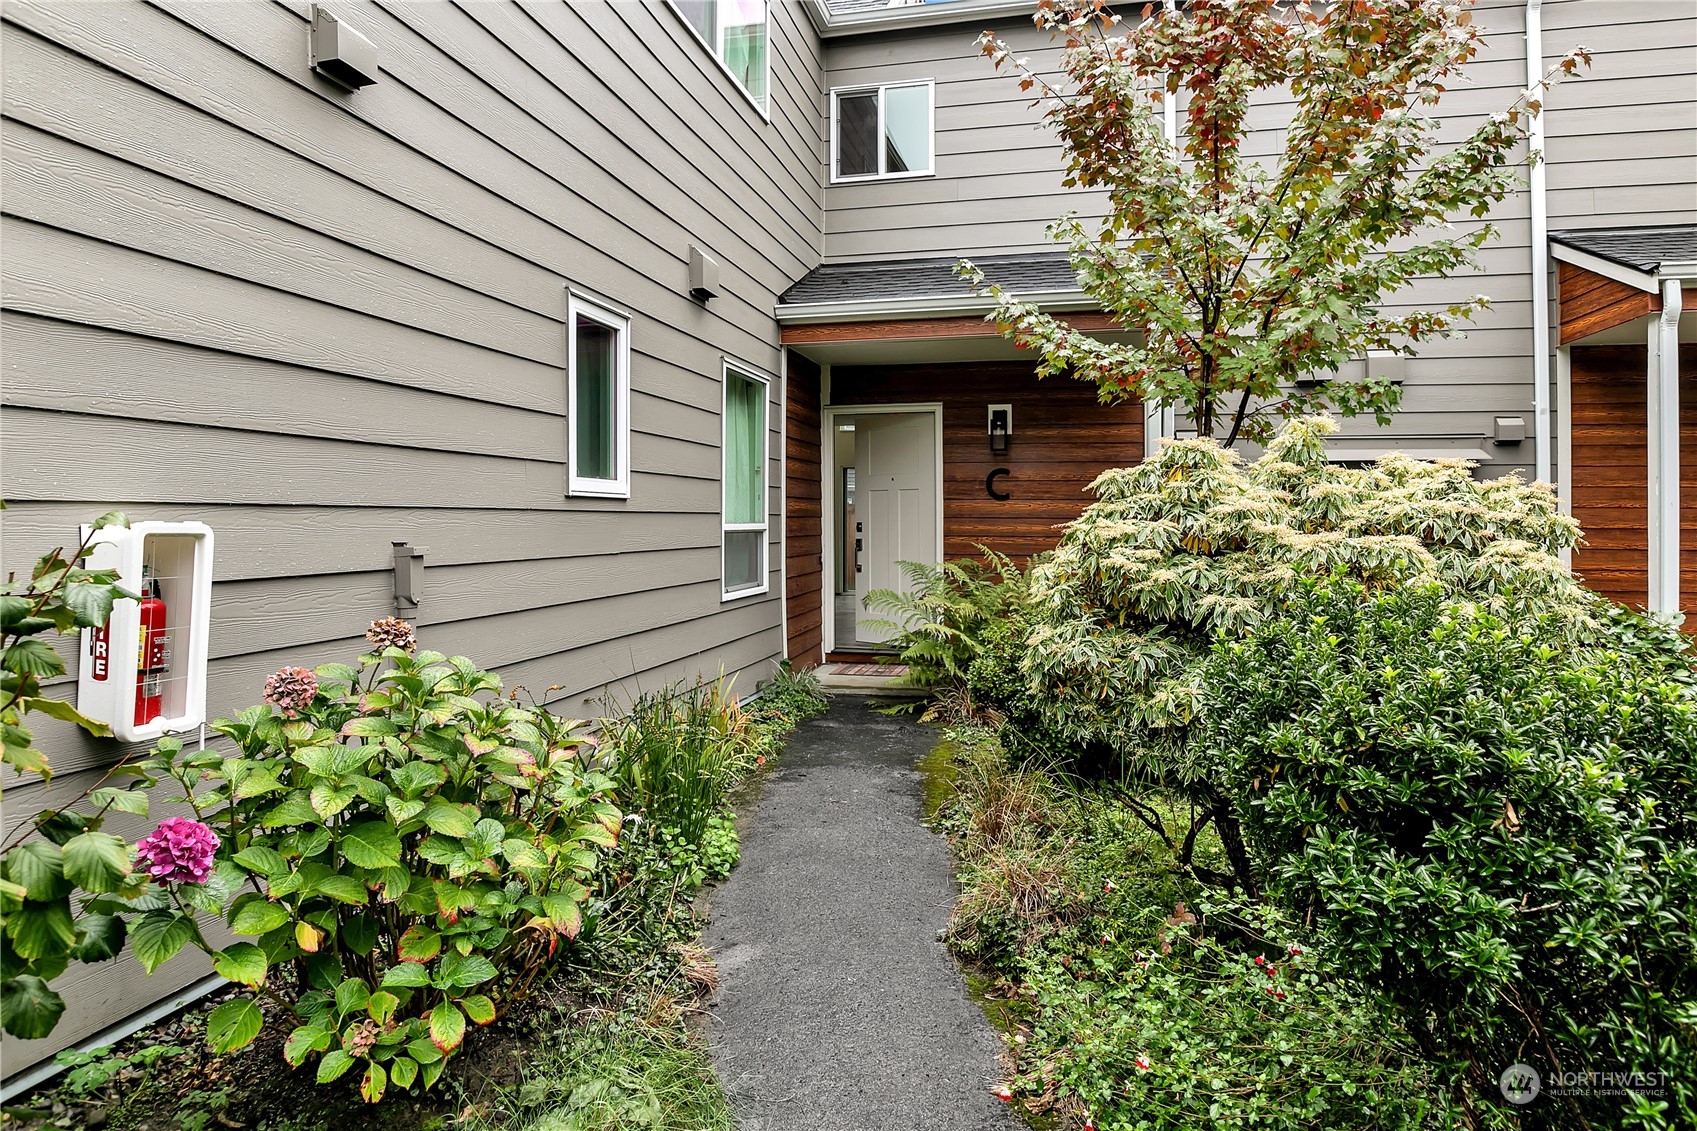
x=179, y=851
x=400, y=847
x=62, y=850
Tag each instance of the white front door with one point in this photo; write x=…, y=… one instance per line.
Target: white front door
x=895, y=506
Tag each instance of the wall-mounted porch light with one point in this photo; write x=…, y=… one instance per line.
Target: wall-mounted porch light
x=1001, y=427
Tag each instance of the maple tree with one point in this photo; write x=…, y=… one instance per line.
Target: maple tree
x=1248, y=274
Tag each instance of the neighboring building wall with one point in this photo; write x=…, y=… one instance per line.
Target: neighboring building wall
x=1620, y=142
x=320, y=322
x=1622, y=139
x=1062, y=439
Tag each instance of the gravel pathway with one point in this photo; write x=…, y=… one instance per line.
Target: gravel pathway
x=838, y=1008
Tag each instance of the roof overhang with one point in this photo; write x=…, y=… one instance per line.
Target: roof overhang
x=831, y=25
x=1685, y=270
x=1607, y=268
x=912, y=307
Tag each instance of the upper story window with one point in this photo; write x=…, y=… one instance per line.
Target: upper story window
x=882, y=131
x=598, y=402
x=735, y=31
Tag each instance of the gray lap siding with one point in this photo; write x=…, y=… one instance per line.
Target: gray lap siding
x=321, y=322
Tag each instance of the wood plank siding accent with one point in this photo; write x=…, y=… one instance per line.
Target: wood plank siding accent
x=1592, y=303
x=1062, y=439
x=320, y=322
x=804, y=549
x=1610, y=472
x=919, y=329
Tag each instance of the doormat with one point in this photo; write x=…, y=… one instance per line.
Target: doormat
x=871, y=669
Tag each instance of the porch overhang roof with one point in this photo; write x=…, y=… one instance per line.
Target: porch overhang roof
x=926, y=288
x=1610, y=279
x=1639, y=257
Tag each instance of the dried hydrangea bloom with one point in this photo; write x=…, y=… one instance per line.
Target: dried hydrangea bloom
x=392, y=632
x=291, y=690
x=179, y=851
x=362, y=1038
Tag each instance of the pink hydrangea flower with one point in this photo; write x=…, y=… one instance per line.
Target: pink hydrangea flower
x=291, y=690
x=179, y=851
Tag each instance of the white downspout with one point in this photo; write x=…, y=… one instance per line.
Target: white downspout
x=1664, y=452
x=1159, y=419
x=1541, y=430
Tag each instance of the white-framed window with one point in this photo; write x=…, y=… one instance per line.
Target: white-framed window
x=735, y=31
x=597, y=400
x=883, y=131
x=744, y=549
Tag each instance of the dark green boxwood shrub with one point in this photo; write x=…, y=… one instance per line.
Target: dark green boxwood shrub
x=1498, y=833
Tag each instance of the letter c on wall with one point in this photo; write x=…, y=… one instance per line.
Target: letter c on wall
x=990, y=484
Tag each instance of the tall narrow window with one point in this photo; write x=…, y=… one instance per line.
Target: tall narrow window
x=882, y=131
x=598, y=402
x=745, y=484
x=735, y=31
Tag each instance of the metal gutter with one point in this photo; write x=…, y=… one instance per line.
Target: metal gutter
x=1542, y=431
x=1664, y=451
x=832, y=25
x=923, y=306
x=1160, y=419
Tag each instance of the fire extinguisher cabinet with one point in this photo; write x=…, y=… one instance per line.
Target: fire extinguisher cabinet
x=144, y=673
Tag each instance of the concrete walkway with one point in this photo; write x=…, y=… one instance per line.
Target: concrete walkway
x=838, y=1009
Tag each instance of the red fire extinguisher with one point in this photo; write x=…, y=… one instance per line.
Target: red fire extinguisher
x=152, y=656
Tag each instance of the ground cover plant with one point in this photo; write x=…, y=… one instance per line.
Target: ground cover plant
x=629, y=970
